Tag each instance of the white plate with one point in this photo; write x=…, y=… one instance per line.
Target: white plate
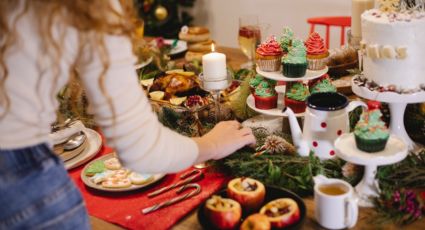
x=278, y=76
x=250, y=101
x=93, y=147
x=86, y=180
x=180, y=47
x=143, y=64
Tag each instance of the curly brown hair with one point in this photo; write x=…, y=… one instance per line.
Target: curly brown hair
x=92, y=19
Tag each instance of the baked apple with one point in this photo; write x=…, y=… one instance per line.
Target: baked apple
x=281, y=212
x=256, y=222
x=223, y=213
x=248, y=192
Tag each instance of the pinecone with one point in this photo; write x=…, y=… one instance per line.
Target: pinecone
x=275, y=144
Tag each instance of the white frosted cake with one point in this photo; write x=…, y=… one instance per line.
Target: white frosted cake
x=393, y=46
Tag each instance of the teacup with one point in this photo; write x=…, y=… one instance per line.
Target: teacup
x=335, y=204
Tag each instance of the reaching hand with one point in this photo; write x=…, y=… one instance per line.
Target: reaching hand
x=224, y=139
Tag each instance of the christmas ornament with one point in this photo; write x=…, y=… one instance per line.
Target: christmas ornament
x=161, y=13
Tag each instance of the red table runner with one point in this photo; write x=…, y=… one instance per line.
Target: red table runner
x=125, y=208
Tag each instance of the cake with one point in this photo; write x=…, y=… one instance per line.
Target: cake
x=317, y=53
x=370, y=133
x=295, y=63
x=393, y=47
x=321, y=85
x=265, y=95
x=268, y=55
x=296, y=96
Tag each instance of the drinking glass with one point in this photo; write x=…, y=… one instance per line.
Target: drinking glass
x=249, y=37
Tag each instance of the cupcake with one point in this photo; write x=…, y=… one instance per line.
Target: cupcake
x=268, y=55
x=286, y=39
x=317, y=53
x=295, y=63
x=321, y=85
x=265, y=96
x=370, y=133
x=254, y=82
x=296, y=96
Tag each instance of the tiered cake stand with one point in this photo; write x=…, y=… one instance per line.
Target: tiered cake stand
x=346, y=149
x=397, y=104
x=278, y=76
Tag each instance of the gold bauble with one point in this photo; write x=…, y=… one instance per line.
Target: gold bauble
x=161, y=13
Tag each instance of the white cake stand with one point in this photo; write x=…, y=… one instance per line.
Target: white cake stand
x=278, y=76
x=250, y=101
x=346, y=149
x=397, y=104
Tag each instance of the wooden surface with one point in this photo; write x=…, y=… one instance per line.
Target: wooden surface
x=235, y=58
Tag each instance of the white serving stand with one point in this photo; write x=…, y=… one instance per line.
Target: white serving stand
x=346, y=149
x=278, y=76
x=397, y=104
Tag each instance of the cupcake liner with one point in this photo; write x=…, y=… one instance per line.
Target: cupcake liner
x=294, y=70
x=370, y=146
x=316, y=64
x=296, y=106
x=265, y=102
x=269, y=65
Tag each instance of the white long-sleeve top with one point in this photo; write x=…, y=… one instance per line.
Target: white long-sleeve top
x=141, y=142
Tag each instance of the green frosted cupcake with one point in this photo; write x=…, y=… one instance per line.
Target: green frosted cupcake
x=295, y=63
x=371, y=134
x=254, y=82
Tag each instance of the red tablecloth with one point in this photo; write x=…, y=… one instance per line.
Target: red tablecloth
x=124, y=208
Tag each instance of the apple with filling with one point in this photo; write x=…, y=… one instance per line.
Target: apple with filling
x=256, y=221
x=248, y=192
x=223, y=213
x=281, y=212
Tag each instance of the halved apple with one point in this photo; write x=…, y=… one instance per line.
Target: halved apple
x=223, y=213
x=248, y=192
x=147, y=82
x=177, y=100
x=281, y=212
x=256, y=221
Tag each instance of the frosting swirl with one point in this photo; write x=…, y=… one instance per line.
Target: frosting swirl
x=286, y=39
x=322, y=86
x=270, y=47
x=265, y=89
x=315, y=44
x=255, y=81
x=370, y=126
x=296, y=54
x=298, y=92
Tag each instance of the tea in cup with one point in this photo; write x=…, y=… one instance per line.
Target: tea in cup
x=335, y=204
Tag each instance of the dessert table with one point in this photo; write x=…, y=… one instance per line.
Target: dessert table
x=235, y=58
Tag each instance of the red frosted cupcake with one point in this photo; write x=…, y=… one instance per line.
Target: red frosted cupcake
x=268, y=55
x=265, y=96
x=317, y=53
x=295, y=97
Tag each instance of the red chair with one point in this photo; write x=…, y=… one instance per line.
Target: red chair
x=343, y=21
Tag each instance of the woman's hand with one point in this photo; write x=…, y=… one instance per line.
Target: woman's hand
x=224, y=139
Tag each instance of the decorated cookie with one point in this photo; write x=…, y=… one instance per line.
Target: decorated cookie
x=121, y=173
x=112, y=164
x=96, y=167
x=139, y=179
x=100, y=177
x=113, y=182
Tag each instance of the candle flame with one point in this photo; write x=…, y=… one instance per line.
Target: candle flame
x=212, y=47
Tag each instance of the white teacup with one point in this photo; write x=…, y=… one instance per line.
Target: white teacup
x=335, y=204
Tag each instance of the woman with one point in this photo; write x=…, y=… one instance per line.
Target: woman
x=41, y=43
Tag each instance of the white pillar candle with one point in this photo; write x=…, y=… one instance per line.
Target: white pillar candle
x=214, y=66
x=357, y=9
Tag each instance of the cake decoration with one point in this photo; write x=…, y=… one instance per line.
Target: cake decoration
x=286, y=39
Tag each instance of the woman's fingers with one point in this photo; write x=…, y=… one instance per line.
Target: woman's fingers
x=245, y=131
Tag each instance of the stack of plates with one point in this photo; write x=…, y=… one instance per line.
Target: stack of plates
x=79, y=148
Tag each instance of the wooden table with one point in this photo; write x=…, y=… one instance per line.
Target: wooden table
x=235, y=58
